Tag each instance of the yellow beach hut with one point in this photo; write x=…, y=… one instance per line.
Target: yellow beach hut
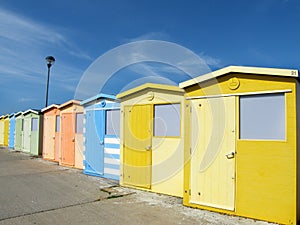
x=2, y=131
x=241, y=146
x=6, y=129
x=151, y=137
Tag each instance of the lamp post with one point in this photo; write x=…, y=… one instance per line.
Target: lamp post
x=50, y=61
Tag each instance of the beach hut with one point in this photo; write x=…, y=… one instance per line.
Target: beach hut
x=12, y=126
x=19, y=131
x=241, y=147
x=151, y=138
x=2, y=131
x=101, y=136
x=32, y=132
x=71, y=134
x=6, y=130
x=51, y=117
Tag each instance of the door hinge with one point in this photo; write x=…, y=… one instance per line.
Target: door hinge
x=190, y=192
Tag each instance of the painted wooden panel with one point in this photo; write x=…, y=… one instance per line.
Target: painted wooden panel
x=112, y=143
x=26, y=134
x=67, y=139
x=79, y=119
x=12, y=127
x=137, y=146
x=19, y=134
x=1, y=132
x=213, y=156
x=94, y=142
x=6, y=131
x=49, y=137
x=112, y=157
x=57, y=138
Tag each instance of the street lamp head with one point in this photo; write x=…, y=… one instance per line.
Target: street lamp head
x=50, y=61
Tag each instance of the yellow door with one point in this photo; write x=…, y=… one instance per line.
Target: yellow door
x=213, y=152
x=137, y=146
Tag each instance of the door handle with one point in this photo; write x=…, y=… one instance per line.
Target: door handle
x=148, y=148
x=230, y=155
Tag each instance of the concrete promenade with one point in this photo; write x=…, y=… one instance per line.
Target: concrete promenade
x=34, y=191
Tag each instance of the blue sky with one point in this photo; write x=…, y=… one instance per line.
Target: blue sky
x=250, y=33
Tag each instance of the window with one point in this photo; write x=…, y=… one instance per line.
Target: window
x=167, y=120
x=262, y=117
x=57, y=124
x=112, y=122
x=79, y=123
x=34, y=124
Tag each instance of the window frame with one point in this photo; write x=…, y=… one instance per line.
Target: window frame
x=105, y=128
x=76, y=123
x=284, y=139
x=57, y=123
x=180, y=122
x=37, y=124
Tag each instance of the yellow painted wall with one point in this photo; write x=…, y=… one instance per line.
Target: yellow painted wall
x=6, y=130
x=266, y=171
x=2, y=132
x=167, y=153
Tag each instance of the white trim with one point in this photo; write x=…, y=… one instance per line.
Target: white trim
x=100, y=109
x=111, y=171
x=111, y=161
x=241, y=70
x=115, y=151
x=240, y=94
x=112, y=141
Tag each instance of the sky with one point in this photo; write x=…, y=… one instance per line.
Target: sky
x=263, y=33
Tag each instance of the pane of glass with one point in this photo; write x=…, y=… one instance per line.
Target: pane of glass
x=262, y=117
x=79, y=123
x=57, y=126
x=167, y=120
x=34, y=124
x=112, y=122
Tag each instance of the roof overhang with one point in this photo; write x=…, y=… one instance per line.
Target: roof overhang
x=240, y=70
x=71, y=102
x=50, y=107
x=150, y=86
x=98, y=98
x=18, y=113
x=34, y=111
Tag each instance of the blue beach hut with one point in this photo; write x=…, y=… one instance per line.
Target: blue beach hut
x=101, y=136
x=12, y=127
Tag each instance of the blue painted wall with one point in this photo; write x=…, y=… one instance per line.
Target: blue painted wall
x=12, y=127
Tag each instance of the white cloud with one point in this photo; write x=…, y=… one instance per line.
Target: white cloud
x=149, y=36
x=24, y=43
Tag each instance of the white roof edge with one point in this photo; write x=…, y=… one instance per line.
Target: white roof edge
x=241, y=69
x=49, y=107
